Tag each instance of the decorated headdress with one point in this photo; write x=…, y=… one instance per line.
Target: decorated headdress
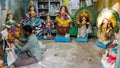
x=31, y=3
x=107, y=14
x=84, y=13
x=66, y=9
x=48, y=14
x=9, y=12
x=63, y=5
x=32, y=7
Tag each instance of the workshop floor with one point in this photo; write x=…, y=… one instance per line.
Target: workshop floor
x=70, y=55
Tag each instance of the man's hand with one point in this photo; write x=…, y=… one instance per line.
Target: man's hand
x=10, y=41
x=16, y=37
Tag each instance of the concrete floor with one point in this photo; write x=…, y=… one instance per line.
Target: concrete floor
x=70, y=55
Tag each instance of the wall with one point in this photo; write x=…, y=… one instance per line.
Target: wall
x=16, y=6
x=0, y=13
x=101, y=4
x=111, y=3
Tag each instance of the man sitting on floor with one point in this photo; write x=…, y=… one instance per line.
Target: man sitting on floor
x=31, y=51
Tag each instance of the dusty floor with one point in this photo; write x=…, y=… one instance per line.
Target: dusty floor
x=70, y=55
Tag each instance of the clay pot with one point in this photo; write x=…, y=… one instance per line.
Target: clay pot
x=62, y=30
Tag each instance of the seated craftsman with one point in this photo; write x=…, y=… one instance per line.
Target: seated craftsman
x=31, y=51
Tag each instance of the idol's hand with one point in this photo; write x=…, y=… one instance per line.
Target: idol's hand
x=88, y=23
x=116, y=35
x=7, y=26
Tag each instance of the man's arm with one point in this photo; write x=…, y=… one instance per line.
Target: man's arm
x=26, y=47
x=23, y=40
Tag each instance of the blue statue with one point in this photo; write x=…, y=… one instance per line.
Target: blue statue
x=35, y=22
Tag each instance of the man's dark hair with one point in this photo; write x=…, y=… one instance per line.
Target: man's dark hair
x=27, y=28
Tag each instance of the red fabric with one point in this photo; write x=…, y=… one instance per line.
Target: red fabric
x=111, y=58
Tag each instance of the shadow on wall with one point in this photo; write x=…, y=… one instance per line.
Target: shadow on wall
x=16, y=6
